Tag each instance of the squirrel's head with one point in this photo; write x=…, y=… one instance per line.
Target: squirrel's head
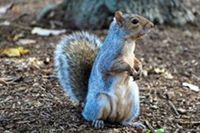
x=134, y=25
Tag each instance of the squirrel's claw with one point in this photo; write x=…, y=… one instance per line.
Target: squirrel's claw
x=99, y=124
x=136, y=125
x=135, y=74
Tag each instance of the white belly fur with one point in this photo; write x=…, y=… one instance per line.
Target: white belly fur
x=123, y=94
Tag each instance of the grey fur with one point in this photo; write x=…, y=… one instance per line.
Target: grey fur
x=98, y=83
x=66, y=76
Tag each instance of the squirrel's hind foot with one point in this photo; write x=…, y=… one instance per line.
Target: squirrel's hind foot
x=99, y=124
x=136, y=125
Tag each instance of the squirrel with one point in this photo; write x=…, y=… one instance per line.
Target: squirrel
x=102, y=75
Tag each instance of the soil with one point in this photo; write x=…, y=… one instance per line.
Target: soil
x=31, y=99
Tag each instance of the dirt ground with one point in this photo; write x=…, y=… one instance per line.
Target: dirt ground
x=31, y=99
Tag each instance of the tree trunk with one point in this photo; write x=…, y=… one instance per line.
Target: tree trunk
x=95, y=14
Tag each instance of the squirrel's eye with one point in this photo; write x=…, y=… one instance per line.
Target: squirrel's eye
x=135, y=21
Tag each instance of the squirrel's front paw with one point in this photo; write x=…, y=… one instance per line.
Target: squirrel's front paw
x=99, y=124
x=135, y=74
x=137, y=71
x=138, y=67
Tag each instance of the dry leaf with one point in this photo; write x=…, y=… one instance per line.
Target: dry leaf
x=5, y=23
x=191, y=86
x=162, y=71
x=170, y=94
x=46, y=32
x=167, y=75
x=159, y=70
x=26, y=41
x=15, y=52
x=34, y=62
x=182, y=111
x=165, y=41
x=11, y=52
x=16, y=37
x=156, y=71
x=5, y=8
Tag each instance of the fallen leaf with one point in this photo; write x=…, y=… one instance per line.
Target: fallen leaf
x=145, y=73
x=23, y=51
x=5, y=23
x=168, y=75
x=11, y=52
x=191, y=86
x=187, y=33
x=5, y=8
x=34, y=62
x=154, y=107
x=165, y=41
x=15, y=52
x=156, y=71
x=182, y=111
x=16, y=37
x=148, y=131
x=26, y=41
x=159, y=70
x=170, y=94
x=46, y=32
x=159, y=131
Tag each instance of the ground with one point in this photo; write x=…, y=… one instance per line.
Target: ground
x=31, y=99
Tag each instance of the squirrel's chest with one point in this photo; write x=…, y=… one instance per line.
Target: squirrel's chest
x=122, y=101
x=127, y=54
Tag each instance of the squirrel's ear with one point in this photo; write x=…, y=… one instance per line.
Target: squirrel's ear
x=119, y=18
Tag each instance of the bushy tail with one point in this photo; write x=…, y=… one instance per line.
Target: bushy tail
x=74, y=57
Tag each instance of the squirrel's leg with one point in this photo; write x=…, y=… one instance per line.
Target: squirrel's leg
x=97, y=109
x=135, y=108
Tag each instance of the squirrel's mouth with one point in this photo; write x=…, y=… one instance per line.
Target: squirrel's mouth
x=139, y=35
x=144, y=32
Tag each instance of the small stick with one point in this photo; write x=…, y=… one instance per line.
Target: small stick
x=149, y=89
x=177, y=130
x=2, y=81
x=149, y=126
x=190, y=122
x=174, y=108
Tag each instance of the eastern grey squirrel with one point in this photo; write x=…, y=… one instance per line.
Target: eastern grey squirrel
x=101, y=74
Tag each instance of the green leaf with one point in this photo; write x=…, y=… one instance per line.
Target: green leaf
x=159, y=130
x=148, y=131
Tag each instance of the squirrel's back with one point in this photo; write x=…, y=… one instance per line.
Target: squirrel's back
x=74, y=57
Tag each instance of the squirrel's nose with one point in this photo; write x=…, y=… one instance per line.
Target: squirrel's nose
x=151, y=25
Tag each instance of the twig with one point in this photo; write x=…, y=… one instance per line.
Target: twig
x=177, y=130
x=149, y=126
x=149, y=89
x=189, y=122
x=174, y=108
x=2, y=81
